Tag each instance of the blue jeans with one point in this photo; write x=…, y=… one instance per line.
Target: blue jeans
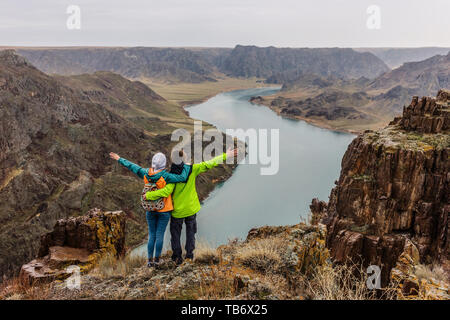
x=157, y=223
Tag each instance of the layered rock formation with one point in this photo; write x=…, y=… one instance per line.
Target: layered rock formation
x=394, y=187
x=426, y=115
x=76, y=241
x=282, y=63
x=204, y=64
x=170, y=64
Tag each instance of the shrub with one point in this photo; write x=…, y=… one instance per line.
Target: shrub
x=204, y=253
x=14, y=289
x=109, y=266
x=430, y=271
x=261, y=255
x=344, y=282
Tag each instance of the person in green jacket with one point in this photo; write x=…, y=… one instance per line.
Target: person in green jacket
x=186, y=205
x=157, y=220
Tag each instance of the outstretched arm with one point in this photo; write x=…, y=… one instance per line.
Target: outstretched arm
x=161, y=193
x=174, y=178
x=137, y=170
x=198, y=168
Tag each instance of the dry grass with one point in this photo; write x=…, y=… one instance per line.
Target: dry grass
x=109, y=266
x=195, y=92
x=14, y=289
x=261, y=255
x=217, y=283
x=344, y=282
x=430, y=271
x=205, y=253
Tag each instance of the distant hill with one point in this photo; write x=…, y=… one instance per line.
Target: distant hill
x=196, y=65
x=273, y=63
x=171, y=64
x=395, y=57
x=425, y=77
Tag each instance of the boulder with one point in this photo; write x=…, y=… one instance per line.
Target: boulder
x=77, y=241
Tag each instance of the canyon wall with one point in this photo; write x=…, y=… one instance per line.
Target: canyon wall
x=394, y=188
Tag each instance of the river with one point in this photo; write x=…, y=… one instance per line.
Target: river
x=309, y=158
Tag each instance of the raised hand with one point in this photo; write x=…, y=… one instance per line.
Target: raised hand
x=114, y=156
x=232, y=152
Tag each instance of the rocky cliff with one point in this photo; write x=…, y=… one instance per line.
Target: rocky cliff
x=394, y=188
x=55, y=136
x=206, y=64
x=165, y=64
x=273, y=63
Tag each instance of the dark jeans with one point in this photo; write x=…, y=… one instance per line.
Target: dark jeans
x=176, y=225
x=157, y=223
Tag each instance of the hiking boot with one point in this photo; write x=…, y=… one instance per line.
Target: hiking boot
x=150, y=263
x=178, y=260
x=189, y=257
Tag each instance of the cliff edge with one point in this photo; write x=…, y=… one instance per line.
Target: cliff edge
x=393, y=191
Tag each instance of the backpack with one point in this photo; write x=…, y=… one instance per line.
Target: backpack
x=150, y=205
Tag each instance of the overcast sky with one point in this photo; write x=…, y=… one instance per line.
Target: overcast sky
x=225, y=23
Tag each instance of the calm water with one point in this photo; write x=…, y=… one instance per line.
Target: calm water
x=309, y=164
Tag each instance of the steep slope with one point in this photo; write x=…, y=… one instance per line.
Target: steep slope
x=425, y=77
x=55, y=137
x=132, y=100
x=171, y=64
x=252, y=61
x=395, y=57
x=394, y=188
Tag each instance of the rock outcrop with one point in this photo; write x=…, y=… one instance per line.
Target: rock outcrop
x=76, y=241
x=394, y=188
x=426, y=115
x=414, y=286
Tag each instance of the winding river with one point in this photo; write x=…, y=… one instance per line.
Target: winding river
x=309, y=158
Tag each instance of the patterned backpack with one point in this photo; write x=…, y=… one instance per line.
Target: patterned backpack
x=151, y=205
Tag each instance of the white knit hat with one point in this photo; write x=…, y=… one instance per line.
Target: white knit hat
x=159, y=161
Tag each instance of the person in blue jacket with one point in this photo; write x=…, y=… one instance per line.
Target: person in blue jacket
x=157, y=220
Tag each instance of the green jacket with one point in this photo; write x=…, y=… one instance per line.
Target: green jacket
x=185, y=198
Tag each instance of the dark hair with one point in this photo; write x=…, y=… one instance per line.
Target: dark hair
x=177, y=168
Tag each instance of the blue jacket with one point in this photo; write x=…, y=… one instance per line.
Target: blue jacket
x=143, y=172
